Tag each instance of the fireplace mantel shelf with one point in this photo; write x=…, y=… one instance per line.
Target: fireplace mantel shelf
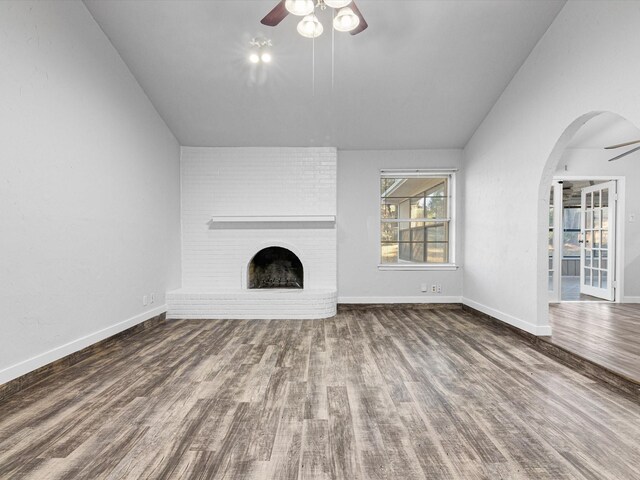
x=274, y=218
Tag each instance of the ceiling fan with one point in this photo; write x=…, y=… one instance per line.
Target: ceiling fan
x=347, y=19
x=620, y=145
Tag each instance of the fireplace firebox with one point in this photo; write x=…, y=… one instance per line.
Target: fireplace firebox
x=275, y=267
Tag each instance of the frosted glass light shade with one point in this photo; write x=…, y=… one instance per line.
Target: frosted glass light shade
x=266, y=57
x=337, y=3
x=299, y=7
x=310, y=27
x=346, y=20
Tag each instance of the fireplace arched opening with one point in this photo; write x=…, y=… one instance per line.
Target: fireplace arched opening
x=275, y=267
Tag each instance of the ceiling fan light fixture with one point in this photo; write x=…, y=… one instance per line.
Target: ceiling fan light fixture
x=299, y=7
x=337, y=3
x=260, y=50
x=266, y=57
x=310, y=27
x=346, y=20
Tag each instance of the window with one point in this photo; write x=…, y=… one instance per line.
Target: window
x=571, y=232
x=415, y=218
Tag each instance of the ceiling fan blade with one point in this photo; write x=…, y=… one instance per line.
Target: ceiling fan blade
x=625, y=154
x=610, y=147
x=363, y=23
x=275, y=16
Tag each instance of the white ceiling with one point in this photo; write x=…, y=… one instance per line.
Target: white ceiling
x=604, y=130
x=424, y=75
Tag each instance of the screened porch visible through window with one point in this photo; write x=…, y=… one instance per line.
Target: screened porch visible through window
x=415, y=219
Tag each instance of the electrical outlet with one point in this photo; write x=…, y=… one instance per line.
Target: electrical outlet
x=433, y=288
x=423, y=287
x=439, y=288
x=153, y=298
x=144, y=300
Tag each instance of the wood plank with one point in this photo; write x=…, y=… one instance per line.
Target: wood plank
x=342, y=448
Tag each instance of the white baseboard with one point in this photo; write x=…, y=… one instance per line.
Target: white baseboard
x=57, y=353
x=538, y=330
x=630, y=299
x=424, y=299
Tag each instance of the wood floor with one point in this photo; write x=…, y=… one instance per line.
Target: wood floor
x=606, y=333
x=384, y=393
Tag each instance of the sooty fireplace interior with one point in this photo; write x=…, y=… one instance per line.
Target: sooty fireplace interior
x=275, y=267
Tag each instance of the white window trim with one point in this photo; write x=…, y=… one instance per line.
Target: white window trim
x=427, y=172
x=418, y=266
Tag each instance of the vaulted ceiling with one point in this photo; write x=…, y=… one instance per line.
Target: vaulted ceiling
x=424, y=75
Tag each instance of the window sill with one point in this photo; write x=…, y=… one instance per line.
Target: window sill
x=274, y=218
x=416, y=266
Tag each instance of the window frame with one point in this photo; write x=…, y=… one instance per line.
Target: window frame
x=451, y=207
x=570, y=230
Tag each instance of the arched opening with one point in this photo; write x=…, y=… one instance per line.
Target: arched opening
x=586, y=240
x=275, y=267
x=580, y=164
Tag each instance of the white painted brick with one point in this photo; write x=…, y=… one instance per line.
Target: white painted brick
x=254, y=182
x=245, y=304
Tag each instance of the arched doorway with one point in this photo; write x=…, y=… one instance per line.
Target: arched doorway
x=600, y=184
x=579, y=164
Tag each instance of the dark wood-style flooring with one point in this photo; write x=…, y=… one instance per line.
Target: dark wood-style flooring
x=383, y=393
x=607, y=334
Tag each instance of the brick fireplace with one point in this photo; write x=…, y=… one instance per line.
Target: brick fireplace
x=243, y=208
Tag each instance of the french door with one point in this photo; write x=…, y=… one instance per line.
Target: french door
x=597, y=250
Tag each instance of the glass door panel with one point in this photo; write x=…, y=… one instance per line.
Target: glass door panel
x=598, y=231
x=555, y=237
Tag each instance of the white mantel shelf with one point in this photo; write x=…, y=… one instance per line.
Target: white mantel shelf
x=274, y=218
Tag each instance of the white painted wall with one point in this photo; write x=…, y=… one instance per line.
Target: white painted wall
x=89, y=195
x=594, y=162
x=581, y=65
x=255, y=182
x=359, y=279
